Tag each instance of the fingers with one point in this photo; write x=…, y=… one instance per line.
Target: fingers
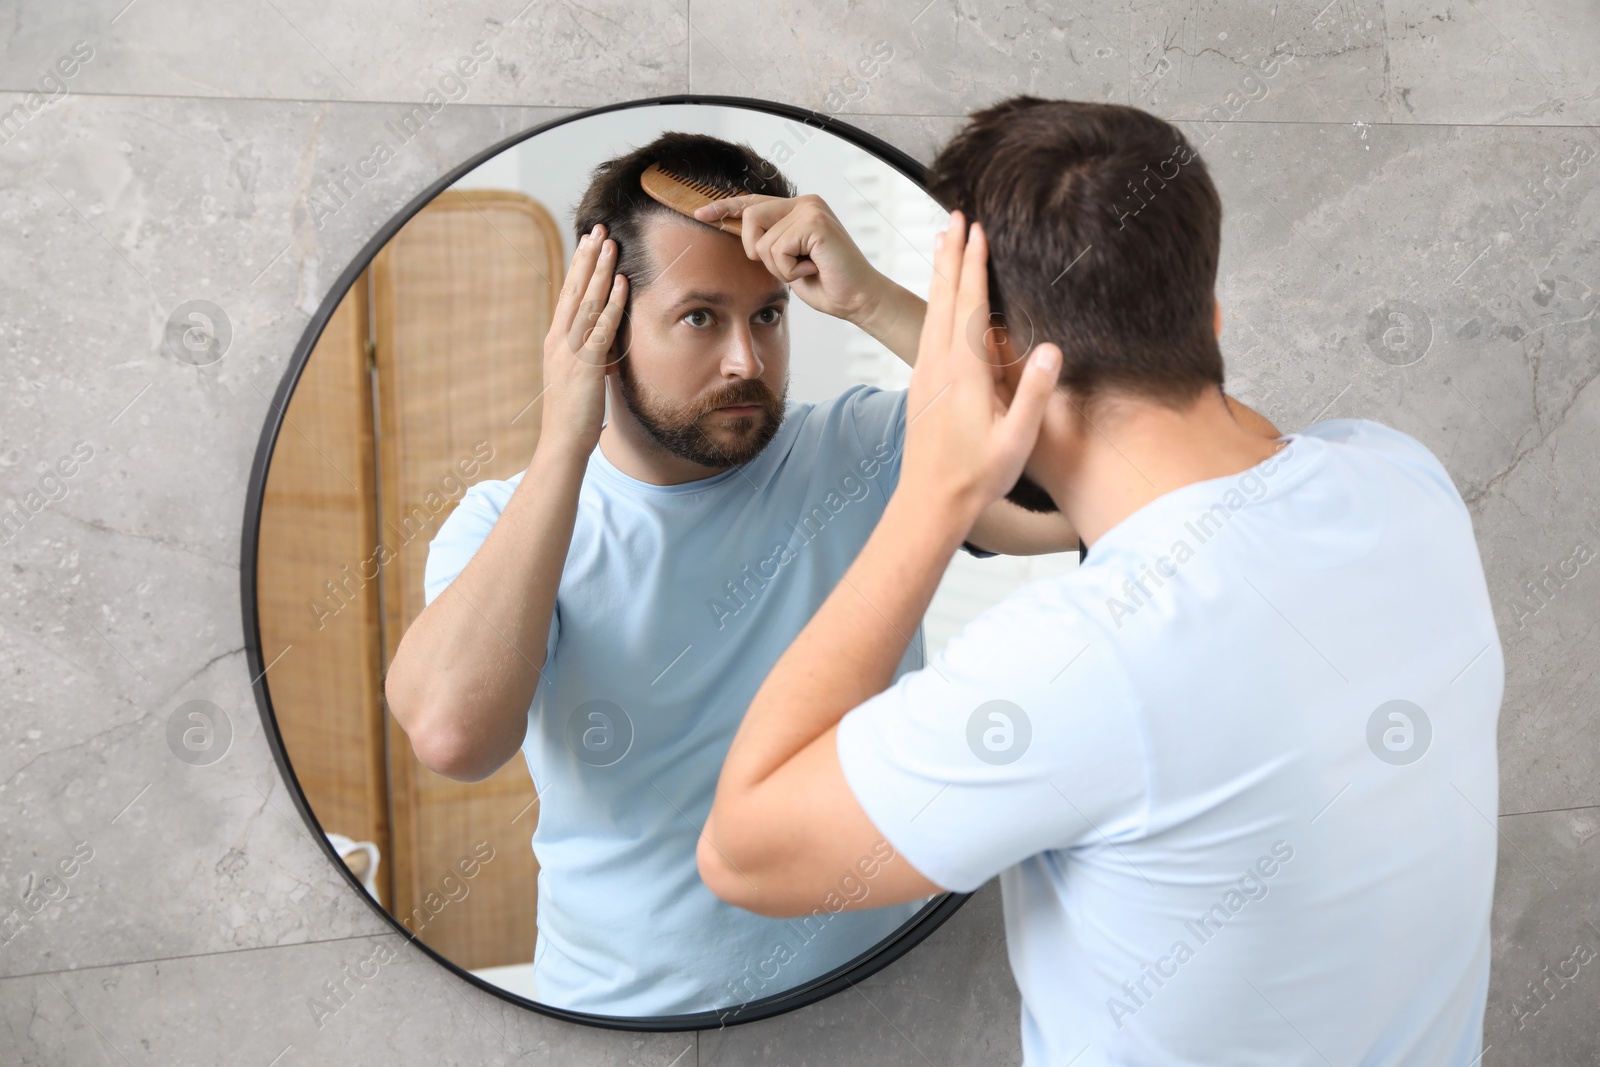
x=936, y=325
x=768, y=230
x=733, y=207
x=763, y=219
x=757, y=215
x=972, y=305
x=578, y=278
x=781, y=247
x=597, y=346
x=754, y=211
x=790, y=247
x=602, y=264
x=1019, y=429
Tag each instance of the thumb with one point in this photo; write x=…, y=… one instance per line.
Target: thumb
x=1019, y=428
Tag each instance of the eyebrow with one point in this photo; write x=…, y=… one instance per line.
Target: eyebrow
x=703, y=296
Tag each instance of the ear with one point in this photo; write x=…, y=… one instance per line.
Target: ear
x=1064, y=425
x=997, y=335
x=1013, y=363
x=1217, y=319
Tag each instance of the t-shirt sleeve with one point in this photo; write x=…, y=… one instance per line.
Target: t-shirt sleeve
x=1021, y=736
x=458, y=540
x=879, y=418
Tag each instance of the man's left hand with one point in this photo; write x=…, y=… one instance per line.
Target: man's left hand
x=966, y=443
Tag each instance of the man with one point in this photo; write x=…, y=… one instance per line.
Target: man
x=1236, y=773
x=612, y=613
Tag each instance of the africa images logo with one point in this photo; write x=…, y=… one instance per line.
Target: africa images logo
x=999, y=732
x=1399, y=732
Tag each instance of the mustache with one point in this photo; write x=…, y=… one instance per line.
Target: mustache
x=748, y=391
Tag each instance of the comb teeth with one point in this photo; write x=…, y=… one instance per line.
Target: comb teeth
x=703, y=188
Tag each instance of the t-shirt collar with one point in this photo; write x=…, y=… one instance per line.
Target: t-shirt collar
x=1300, y=457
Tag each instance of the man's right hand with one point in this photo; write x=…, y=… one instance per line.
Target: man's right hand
x=578, y=350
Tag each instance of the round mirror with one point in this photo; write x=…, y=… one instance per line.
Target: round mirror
x=526, y=805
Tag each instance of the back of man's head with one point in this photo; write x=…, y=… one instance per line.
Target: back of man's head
x=1103, y=230
x=616, y=200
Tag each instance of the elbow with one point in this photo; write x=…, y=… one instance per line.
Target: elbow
x=713, y=868
x=724, y=875
x=439, y=748
x=445, y=753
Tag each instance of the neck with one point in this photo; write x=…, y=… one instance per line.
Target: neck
x=1134, y=452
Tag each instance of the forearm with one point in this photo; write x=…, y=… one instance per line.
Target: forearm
x=1011, y=530
x=894, y=320
x=467, y=667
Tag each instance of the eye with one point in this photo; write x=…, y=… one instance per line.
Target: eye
x=698, y=311
x=773, y=315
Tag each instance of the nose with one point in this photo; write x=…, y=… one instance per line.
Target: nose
x=739, y=359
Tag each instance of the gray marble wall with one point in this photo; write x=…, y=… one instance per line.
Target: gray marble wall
x=1416, y=158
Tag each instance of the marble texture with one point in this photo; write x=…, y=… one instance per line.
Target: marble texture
x=1545, y=909
x=1407, y=159
x=1441, y=61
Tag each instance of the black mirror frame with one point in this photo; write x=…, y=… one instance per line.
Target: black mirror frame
x=879, y=956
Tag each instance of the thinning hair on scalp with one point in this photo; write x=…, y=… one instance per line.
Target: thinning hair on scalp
x=1104, y=231
x=616, y=199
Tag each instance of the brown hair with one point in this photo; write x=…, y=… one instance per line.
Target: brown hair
x=616, y=199
x=1104, y=230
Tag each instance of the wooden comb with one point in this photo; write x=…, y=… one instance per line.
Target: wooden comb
x=684, y=194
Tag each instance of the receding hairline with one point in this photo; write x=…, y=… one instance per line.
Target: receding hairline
x=656, y=270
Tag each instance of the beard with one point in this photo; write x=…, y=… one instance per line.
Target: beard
x=680, y=429
x=1029, y=495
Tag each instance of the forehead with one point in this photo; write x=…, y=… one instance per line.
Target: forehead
x=687, y=256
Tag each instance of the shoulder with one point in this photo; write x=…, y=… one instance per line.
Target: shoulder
x=1395, y=447
x=462, y=532
x=491, y=493
x=859, y=402
x=478, y=508
x=869, y=402
x=1371, y=436
x=1054, y=633
x=874, y=415
x=855, y=420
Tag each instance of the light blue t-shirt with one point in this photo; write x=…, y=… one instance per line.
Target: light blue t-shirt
x=675, y=603
x=1236, y=774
